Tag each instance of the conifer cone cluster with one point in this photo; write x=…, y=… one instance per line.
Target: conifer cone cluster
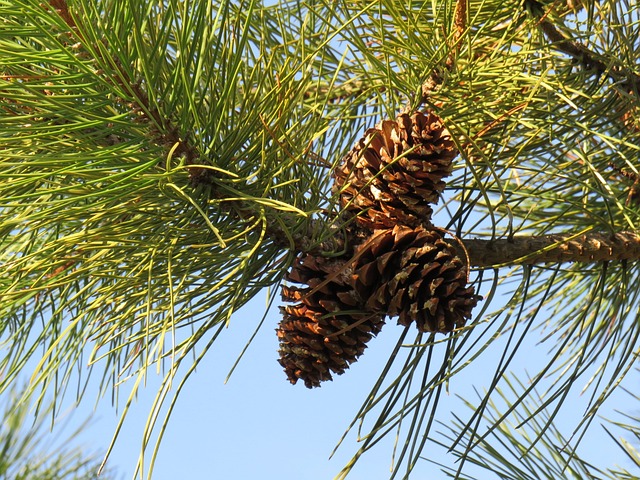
x=327, y=329
x=403, y=267
x=394, y=174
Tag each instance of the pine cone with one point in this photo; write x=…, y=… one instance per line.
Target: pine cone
x=325, y=331
x=416, y=275
x=393, y=175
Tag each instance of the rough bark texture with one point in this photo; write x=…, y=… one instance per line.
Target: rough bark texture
x=589, y=247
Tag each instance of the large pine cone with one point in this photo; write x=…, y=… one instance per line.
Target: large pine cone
x=394, y=174
x=326, y=330
x=416, y=275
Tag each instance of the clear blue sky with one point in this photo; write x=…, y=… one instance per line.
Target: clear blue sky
x=258, y=426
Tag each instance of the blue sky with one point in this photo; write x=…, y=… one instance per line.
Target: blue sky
x=257, y=425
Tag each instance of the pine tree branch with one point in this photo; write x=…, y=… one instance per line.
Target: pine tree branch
x=527, y=250
x=339, y=92
x=589, y=60
x=591, y=247
x=558, y=248
x=164, y=132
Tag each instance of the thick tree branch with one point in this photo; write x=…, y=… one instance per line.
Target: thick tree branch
x=533, y=250
x=589, y=247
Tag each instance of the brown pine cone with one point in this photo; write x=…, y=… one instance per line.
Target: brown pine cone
x=416, y=275
x=411, y=273
x=394, y=174
x=325, y=331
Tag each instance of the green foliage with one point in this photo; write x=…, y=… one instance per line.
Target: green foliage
x=163, y=161
x=550, y=143
x=112, y=252
x=529, y=447
x=28, y=453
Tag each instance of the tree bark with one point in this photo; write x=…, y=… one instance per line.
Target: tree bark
x=588, y=247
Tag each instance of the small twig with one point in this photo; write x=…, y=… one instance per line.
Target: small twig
x=633, y=196
x=587, y=58
x=499, y=120
x=460, y=25
x=338, y=93
x=430, y=86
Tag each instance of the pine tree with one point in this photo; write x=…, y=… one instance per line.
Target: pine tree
x=463, y=168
